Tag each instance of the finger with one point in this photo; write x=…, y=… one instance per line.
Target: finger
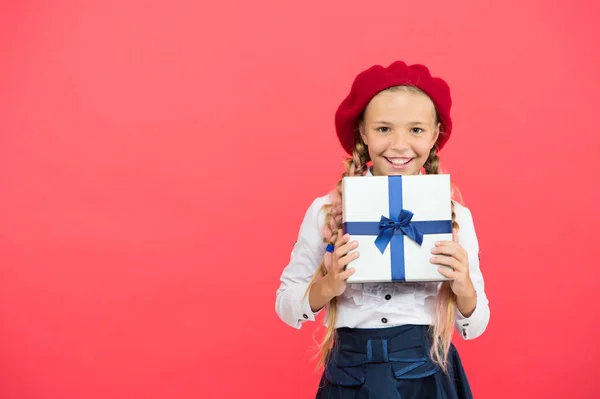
x=342, y=250
x=341, y=238
x=452, y=250
x=448, y=261
x=459, y=248
x=447, y=273
x=347, y=247
x=345, y=260
x=444, y=249
x=349, y=272
x=339, y=241
x=446, y=243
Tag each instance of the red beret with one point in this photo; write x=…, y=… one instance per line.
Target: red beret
x=376, y=79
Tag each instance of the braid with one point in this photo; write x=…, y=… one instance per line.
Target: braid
x=356, y=165
x=443, y=327
x=432, y=165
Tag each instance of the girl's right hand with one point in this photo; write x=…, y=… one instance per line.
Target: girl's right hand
x=340, y=258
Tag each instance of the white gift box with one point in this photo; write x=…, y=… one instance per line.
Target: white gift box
x=389, y=216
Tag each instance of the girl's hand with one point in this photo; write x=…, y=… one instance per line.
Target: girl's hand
x=338, y=274
x=450, y=253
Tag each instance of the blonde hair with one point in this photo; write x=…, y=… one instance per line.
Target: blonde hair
x=443, y=327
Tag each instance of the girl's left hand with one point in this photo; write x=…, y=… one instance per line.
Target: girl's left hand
x=457, y=258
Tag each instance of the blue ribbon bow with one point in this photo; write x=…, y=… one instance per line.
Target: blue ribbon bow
x=389, y=226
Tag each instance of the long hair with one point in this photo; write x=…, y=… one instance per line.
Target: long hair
x=355, y=166
x=443, y=327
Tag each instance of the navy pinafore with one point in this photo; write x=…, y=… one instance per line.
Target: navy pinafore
x=390, y=363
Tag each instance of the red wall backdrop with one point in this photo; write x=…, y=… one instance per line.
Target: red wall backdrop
x=157, y=157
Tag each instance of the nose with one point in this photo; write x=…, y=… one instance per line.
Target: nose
x=400, y=140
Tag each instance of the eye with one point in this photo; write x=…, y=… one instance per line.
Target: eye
x=383, y=129
x=416, y=130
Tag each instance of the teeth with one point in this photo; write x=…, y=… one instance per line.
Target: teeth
x=398, y=161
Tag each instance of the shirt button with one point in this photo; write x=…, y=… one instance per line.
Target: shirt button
x=384, y=320
x=305, y=316
x=388, y=297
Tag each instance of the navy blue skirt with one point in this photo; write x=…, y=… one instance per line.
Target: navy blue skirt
x=390, y=363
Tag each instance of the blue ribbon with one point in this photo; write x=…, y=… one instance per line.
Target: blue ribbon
x=390, y=231
x=389, y=226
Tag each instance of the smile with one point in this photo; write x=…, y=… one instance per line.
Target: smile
x=399, y=163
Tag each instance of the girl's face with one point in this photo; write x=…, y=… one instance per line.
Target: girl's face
x=399, y=127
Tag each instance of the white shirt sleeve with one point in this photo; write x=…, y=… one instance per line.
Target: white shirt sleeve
x=291, y=303
x=473, y=326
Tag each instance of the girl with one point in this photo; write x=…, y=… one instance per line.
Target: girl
x=387, y=340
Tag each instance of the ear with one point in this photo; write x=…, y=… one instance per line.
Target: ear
x=361, y=130
x=436, y=134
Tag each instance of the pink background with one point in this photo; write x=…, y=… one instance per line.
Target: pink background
x=156, y=159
